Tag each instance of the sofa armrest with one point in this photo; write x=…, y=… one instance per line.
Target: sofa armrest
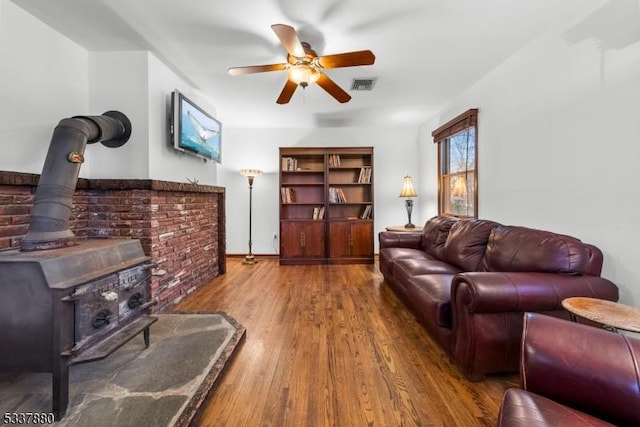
x=587, y=368
x=487, y=313
x=389, y=239
x=494, y=292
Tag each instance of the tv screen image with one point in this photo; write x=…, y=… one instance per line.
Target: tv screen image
x=197, y=131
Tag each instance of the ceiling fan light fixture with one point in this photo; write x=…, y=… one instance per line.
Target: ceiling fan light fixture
x=303, y=73
x=304, y=66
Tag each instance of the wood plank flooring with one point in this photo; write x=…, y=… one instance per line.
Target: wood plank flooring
x=333, y=346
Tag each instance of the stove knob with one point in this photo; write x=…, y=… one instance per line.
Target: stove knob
x=135, y=301
x=110, y=296
x=101, y=319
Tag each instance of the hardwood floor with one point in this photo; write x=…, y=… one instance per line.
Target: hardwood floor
x=332, y=345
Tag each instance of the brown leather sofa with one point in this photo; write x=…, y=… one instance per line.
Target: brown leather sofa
x=469, y=281
x=573, y=375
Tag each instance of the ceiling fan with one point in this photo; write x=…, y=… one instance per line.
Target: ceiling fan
x=304, y=66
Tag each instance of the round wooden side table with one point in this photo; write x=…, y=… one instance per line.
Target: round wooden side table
x=610, y=314
x=403, y=229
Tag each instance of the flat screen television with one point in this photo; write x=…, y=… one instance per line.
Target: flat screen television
x=193, y=130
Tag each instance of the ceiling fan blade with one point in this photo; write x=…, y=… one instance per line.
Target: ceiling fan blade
x=333, y=89
x=287, y=92
x=349, y=59
x=289, y=39
x=236, y=71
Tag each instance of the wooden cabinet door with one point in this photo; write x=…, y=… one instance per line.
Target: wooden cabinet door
x=302, y=239
x=314, y=239
x=291, y=239
x=351, y=239
x=362, y=239
x=339, y=239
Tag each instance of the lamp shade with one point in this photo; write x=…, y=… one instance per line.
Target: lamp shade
x=250, y=172
x=459, y=187
x=407, y=187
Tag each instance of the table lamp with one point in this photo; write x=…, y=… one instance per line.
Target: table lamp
x=408, y=192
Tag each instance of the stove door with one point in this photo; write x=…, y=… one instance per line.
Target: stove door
x=96, y=308
x=134, y=291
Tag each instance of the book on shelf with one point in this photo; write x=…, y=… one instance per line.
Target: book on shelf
x=365, y=175
x=287, y=195
x=289, y=164
x=336, y=195
x=318, y=212
x=366, y=212
x=334, y=160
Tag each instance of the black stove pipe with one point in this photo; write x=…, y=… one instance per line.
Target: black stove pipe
x=49, y=220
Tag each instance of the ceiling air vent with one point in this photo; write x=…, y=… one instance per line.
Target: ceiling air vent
x=363, y=84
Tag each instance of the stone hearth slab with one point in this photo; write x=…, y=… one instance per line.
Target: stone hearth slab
x=163, y=385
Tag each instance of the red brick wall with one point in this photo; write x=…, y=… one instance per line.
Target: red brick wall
x=180, y=226
x=15, y=204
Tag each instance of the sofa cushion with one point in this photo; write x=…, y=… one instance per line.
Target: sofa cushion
x=404, y=269
x=467, y=242
x=388, y=256
x=435, y=233
x=430, y=294
x=513, y=249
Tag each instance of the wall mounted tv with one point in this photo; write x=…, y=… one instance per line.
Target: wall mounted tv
x=193, y=130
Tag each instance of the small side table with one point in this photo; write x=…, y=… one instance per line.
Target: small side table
x=611, y=314
x=403, y=229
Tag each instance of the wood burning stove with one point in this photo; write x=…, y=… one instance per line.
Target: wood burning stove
x=71, y=305
x=62, y=301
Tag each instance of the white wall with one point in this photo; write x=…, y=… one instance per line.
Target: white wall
x=165, y=163
x=43, y=79
x=139, y=85
x=118, y=81
x=394, y=156
x=559, y=136
x=428, y=176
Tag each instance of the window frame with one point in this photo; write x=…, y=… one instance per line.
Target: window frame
x=455, y=126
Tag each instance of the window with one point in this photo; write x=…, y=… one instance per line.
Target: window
x=458, y=165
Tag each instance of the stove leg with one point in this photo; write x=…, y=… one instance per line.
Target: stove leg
x=145, y=334
x=60, y=386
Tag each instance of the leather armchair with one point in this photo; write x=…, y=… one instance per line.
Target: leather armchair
x=573, y=375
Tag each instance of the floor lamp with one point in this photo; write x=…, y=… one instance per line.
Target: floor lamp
x=250, y=174
x=408, y=192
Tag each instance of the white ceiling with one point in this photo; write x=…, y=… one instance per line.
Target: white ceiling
x=427, y=51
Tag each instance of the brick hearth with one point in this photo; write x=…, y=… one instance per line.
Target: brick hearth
x=181, y=226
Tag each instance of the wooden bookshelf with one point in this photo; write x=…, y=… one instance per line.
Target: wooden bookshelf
x=326, y=205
